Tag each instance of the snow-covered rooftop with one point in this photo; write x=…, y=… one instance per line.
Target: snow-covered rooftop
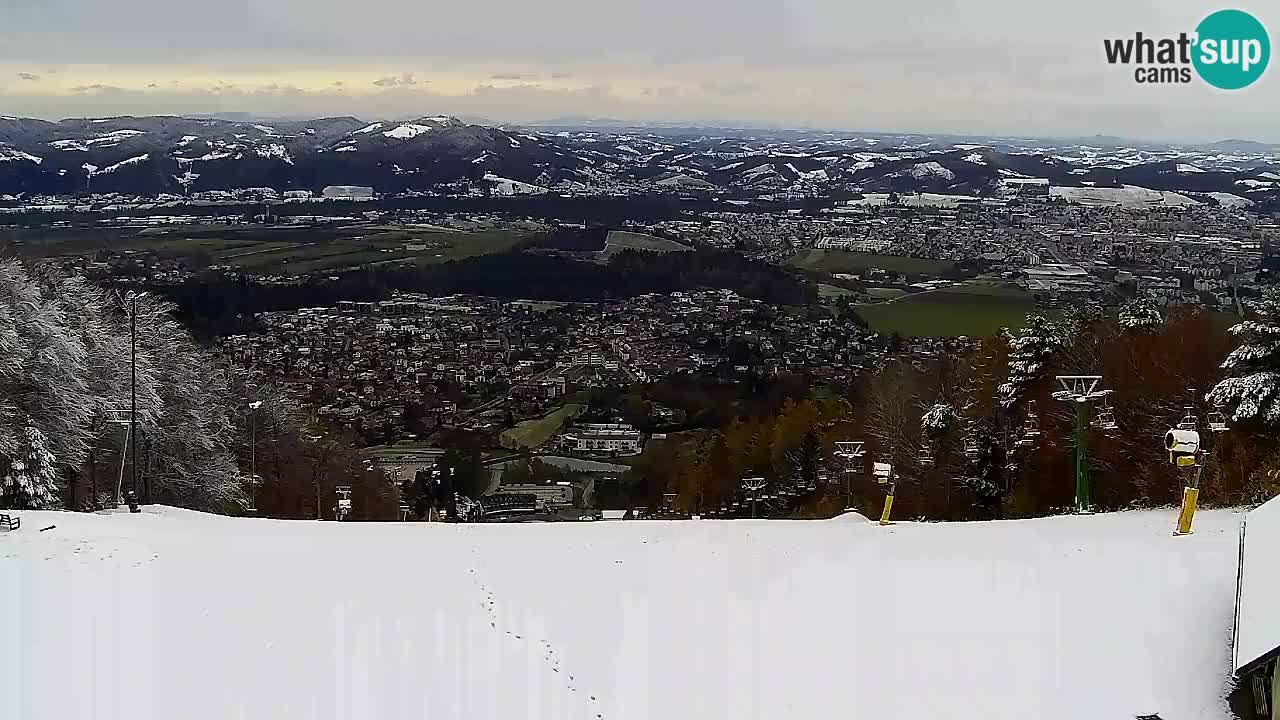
x=1257, y=631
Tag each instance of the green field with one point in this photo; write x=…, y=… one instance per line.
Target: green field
x=884, y=293
x=380, y=248
x=938, y=318
x=285, y=250
x=833, y=291
x=619, y=240
x=533, y=433
x=975, y=309
x=843, y=261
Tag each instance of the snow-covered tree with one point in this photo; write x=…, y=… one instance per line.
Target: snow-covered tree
x=1080, y=318
x=100, y=320
x=1141, y=314
x=190, y=444
x=42, y=376
x=65, y=362
x=938, y=419
x=986, y=473
x=31, y=481
x=1252, y=389
x=1029, y=355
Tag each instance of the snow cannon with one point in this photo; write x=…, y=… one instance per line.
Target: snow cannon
x=343, y=509
x=882, y=472
x=1181, y=442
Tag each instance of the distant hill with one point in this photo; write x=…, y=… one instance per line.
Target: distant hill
x=444, y=155
x=165, y=154
x=1241, y=146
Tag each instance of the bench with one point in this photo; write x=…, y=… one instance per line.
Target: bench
x=10, y=522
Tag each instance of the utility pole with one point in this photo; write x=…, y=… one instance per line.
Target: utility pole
x=253, y=455
x=133, y=388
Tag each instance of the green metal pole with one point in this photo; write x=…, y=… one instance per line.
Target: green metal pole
x=1082, y=457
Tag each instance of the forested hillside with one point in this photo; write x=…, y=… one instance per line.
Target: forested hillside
x=956, y=427
x=67, y=387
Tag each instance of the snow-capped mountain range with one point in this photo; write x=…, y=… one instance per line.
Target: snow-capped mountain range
x=175, y=155
x=153, y=155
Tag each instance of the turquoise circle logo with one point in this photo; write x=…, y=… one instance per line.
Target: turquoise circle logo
x=1232, y=49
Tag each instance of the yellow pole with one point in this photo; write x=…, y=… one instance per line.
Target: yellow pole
x=888, y=505
x=1189, y=496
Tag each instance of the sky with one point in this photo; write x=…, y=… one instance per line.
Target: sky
x=990, y=67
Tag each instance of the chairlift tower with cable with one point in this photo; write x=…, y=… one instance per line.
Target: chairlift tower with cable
x=1080, y=391
x=850, y=452
x=753, y=485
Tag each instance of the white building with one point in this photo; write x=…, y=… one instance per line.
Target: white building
x=619, y=438
x=1255, y=646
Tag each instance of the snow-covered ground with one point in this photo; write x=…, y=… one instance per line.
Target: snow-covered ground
x=1130, y=196
x=172, y=614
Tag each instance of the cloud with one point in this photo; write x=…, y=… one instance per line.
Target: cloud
x=32, y=77
x=729, y=88
x=403, y=80
x=279, y=89
x=666, y=92
x=98, y=88
x=994, y=67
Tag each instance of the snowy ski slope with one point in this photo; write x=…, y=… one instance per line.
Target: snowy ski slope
x=173, y=615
